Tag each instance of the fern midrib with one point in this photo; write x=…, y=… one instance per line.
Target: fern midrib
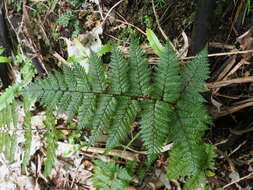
x=133, y=97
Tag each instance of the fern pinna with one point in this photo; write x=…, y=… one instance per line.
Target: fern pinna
x=167, y=103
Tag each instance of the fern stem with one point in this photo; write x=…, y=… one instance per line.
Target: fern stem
x=131, y=141
x=133, y=97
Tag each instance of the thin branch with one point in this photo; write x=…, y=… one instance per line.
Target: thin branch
x=238, y=180
x=160, y=28
x=158, y=22
x=223, y=83
x=222, y=54
x=108, y=13
x=155, y=59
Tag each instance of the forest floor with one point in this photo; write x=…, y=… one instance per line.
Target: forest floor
x=45, y=25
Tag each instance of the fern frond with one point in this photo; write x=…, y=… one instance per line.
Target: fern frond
x=61, y=81
x=64, y=101
x=97, y=73
x=139, y=73
x=169, y=105
x=75, y=102
x=8, y=124
x=9, y=112
x=125, y=115
x=28, y=132
x=199, y=178
x=87, y=111
x=187, y=157
x=51, y=142
x=167, y=76
x=8, y=96
x=81, y=78
x=14, y=114
x=110, y=176
x=119, y=77
x=195, y=181
x=69, y=77
x=154, y=125
x=103, y=116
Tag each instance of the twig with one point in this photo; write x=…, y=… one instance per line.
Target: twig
x=108, y=13
x=237, y=148
x=164, y=149
x=99, y=9
x=229, y=82
x=127, y=23
x=241, y=132
x=119, y=153
x=60, y=58
x=160, y=28
x=238, y=180
x=221, y=45
x=155, y=59
x=222, y=54
x=158, y=22
x=230, y=110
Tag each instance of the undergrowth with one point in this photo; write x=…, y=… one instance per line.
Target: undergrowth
x=167, y=103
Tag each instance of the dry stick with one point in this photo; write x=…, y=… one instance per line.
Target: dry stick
x=108, y=13
x=119, y=153
x=60, y=58
x=221, y=45
x=228, y=82
x=155, y=59
x=100, y=9
x=160, y=28
x=238, y=180
x=231, y=110
x=222, y=54
x=158, y=23
x=127, y=23
x=123, y=153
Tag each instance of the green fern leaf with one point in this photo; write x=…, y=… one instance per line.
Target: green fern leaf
x=28, y=133
x=14, y=113
x=125, y=115
x=64, y=102
x=97, y=73
x=154, y=125
x=61, y=82
x=87, y=111
x=169, y=105
x=8, y=96
x=51, y=142
x=119, y=77
x=167, y=76
x=195, y=181
x=75, y=102
x=69, y=78
x=103, y=116
x=81, y=78
x=187, y=157
x=140, y=75
x=110, y=176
